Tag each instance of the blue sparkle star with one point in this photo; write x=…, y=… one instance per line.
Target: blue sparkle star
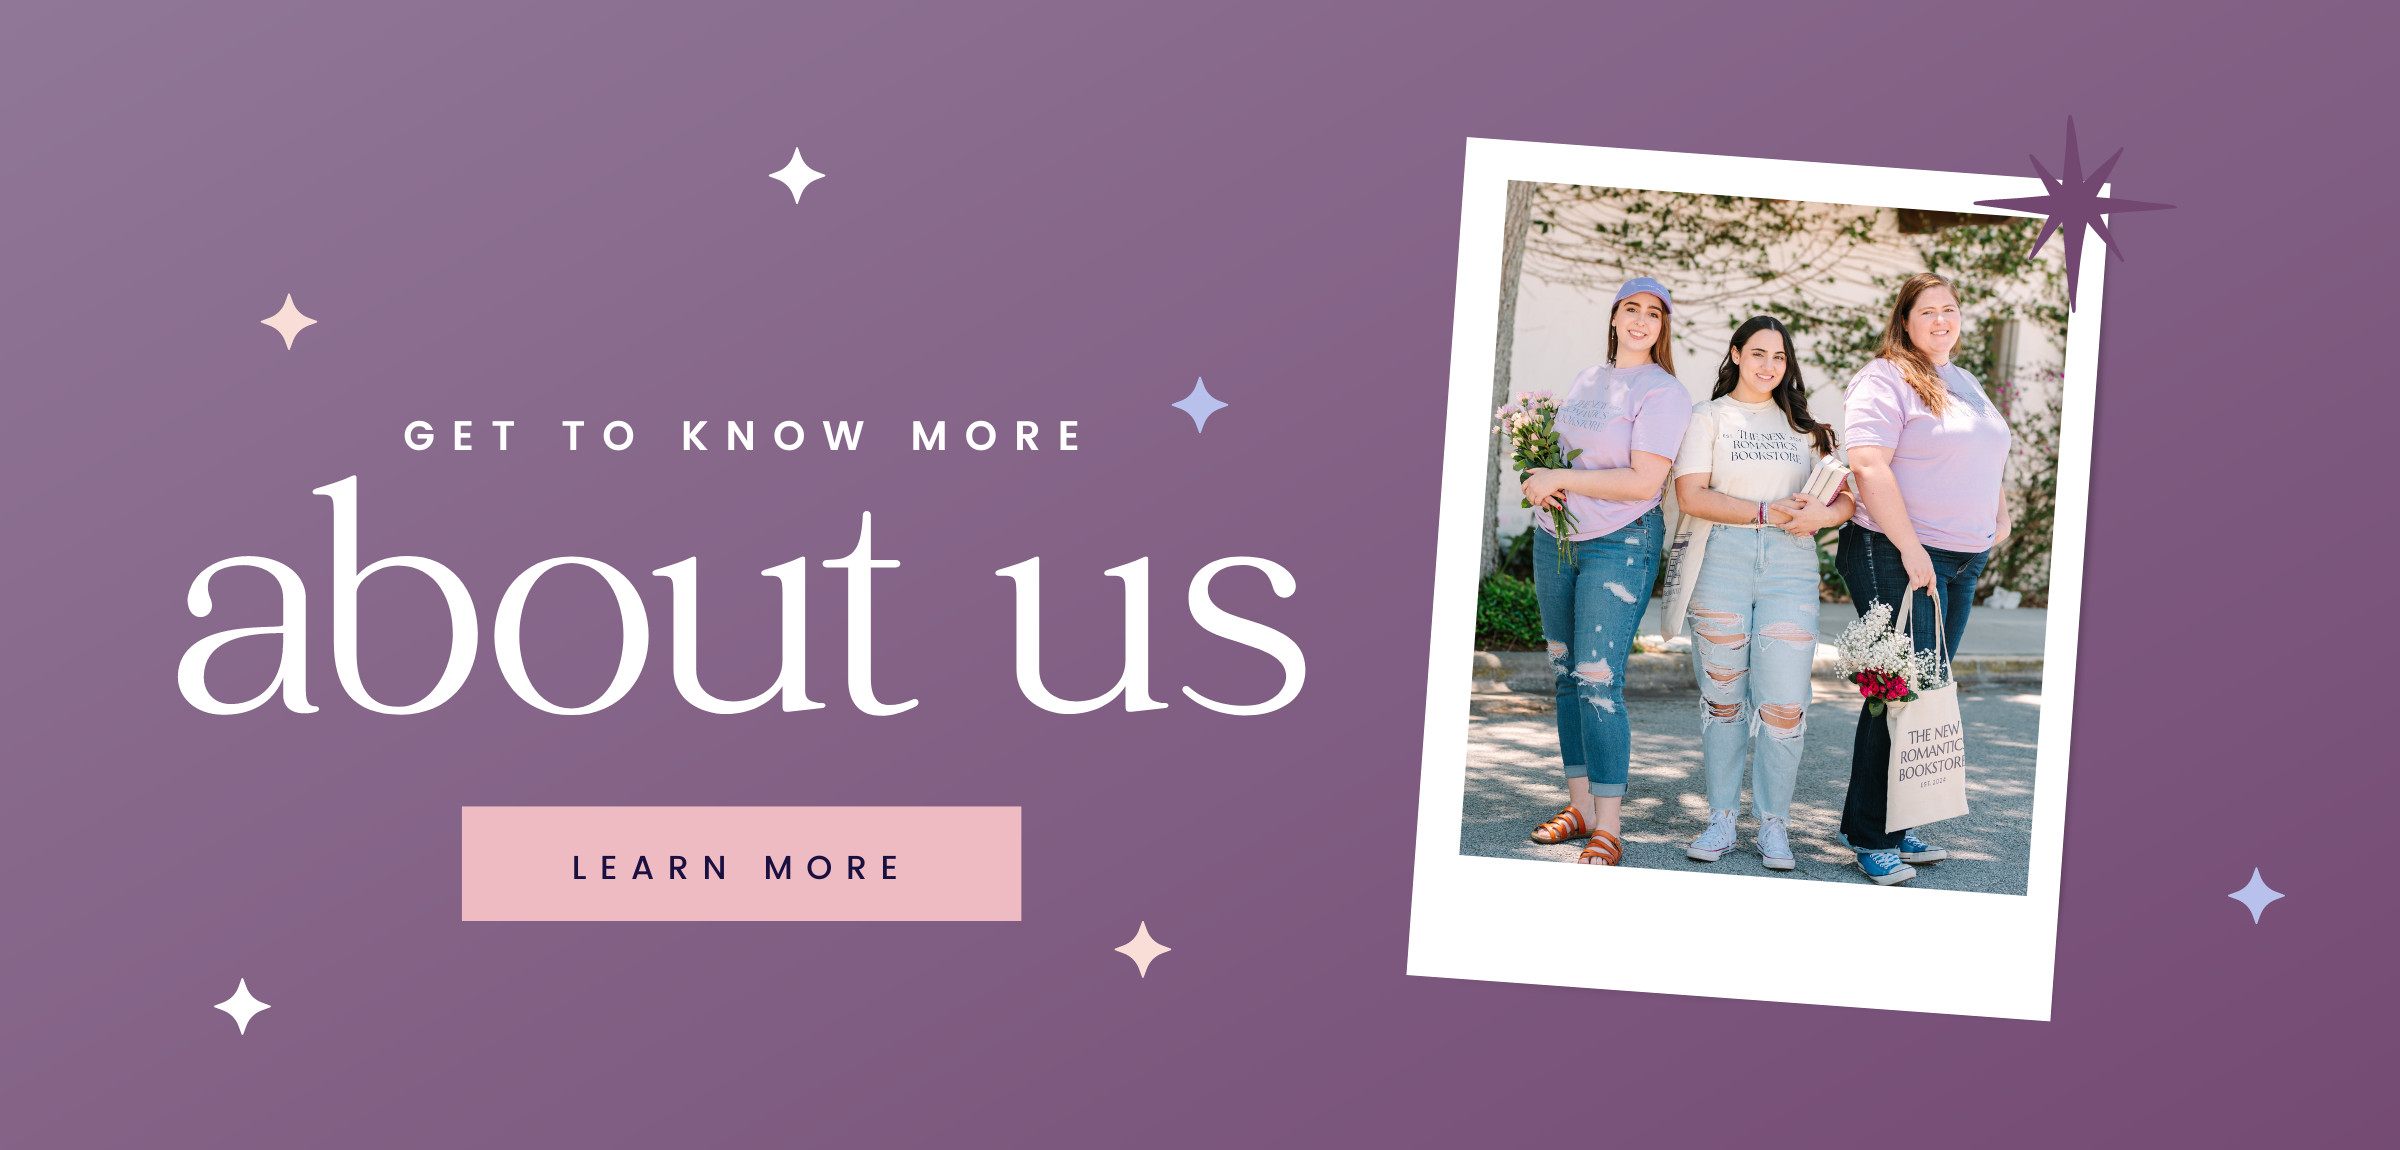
x=2256, y=896
x=2074, y=203
x=1199, y=405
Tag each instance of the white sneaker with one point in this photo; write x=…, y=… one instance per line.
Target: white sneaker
x=1775, y=844
x=1715, y=841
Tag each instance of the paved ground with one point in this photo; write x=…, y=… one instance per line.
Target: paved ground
x=1990, y=631
x=1513, y=783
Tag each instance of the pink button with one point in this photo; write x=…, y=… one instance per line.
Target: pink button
x=651, y=864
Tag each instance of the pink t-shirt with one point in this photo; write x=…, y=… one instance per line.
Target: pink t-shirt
x=1611, y=413
x=1948, y=468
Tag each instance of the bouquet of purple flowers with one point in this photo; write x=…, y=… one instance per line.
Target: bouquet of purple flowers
x=1530, y=422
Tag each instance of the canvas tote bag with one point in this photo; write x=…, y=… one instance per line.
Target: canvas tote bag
x=1684, y=556
x=1926, y=780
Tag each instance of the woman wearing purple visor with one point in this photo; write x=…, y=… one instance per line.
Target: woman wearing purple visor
x=1628, y=417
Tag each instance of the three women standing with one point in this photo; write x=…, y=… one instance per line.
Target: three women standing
x=1628, y=417
x=1927, y=450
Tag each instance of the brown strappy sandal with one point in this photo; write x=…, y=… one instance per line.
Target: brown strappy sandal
x=1605, y=847
x=1566, y=824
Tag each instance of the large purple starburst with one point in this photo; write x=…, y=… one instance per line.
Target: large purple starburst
x=2074, y=203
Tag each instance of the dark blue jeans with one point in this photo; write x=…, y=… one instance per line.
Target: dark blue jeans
x=1870, y=565
x=1591, y=607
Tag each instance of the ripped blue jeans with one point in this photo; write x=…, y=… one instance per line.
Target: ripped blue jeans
x=1591, y=607
x=1754, y=640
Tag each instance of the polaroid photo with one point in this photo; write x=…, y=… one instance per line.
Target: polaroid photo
x=1679, y=735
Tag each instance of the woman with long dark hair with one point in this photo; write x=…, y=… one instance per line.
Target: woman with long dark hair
x=1627, y=417
x=1927, y=449
x=1746, y=458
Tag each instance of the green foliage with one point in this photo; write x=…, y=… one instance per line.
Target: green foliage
x=1507, y=616
x=1997, y=281
x=2022, y=561
x=1829, y=578
x=1516, y=556
x=1798, y=261
x=1725, y=245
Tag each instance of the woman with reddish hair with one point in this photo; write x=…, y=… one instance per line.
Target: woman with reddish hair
x=1927, y=449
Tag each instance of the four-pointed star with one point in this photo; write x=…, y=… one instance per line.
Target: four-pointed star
x=2074, y=203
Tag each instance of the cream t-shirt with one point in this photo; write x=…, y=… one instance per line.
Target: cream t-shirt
x=1749, y=450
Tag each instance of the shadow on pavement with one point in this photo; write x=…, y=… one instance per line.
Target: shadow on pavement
x=1514, y=782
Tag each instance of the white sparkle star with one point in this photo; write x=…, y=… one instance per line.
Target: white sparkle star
x=1200, y=405
x=241, y=1006
x=2256, y=896
x=1143, y=949
x=289, y=321
x=797, y=175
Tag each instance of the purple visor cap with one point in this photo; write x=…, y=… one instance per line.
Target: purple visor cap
x=1646, y=284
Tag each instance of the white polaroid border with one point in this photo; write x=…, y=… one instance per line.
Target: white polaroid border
x=1617, y=928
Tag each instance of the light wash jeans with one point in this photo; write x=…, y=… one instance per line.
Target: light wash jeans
x=1591, y=607
x=1754, y=637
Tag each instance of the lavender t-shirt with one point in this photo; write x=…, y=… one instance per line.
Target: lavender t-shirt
x=1948, y=467
x=1611, y=413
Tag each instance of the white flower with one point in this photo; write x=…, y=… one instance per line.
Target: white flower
x=1870, y=644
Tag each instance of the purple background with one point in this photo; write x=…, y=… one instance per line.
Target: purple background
x=1070, y=213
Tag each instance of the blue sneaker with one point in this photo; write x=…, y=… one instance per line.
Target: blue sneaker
x=1885, y=867
x=1911, y=848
